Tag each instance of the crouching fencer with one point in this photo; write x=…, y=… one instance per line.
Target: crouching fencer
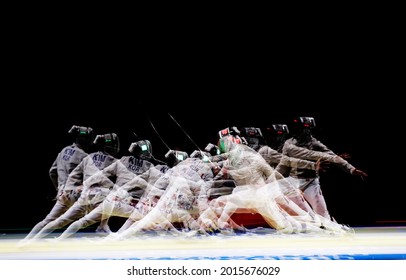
x=184, y=184
x=66, y=161
x=91, y=195
x=131, y=173
x=154, y=186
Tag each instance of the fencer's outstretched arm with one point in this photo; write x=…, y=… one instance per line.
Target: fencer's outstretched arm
x=328, y=155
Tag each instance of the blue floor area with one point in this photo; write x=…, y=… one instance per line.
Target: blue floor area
x=291, y=257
